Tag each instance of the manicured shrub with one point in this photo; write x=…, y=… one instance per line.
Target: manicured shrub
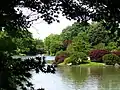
x=60, y=56
x=116, y=53
x=111, y=59
x=96, y=55
x=78, y=58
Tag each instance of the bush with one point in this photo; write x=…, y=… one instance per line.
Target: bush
x=65, y=53
x=116, y=53
x=111, y=59
x=67, y=60
x=60, y=56
x=96, y=55
x=78, y=58
x=111, y=46
x=100, y=46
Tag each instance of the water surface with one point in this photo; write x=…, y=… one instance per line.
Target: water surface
x=79, y=78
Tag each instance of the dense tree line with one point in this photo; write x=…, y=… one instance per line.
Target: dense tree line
x=24, y=44
x=87, y=37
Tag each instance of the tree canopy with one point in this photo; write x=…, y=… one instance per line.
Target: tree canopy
x=11, y=15
x=53, y=44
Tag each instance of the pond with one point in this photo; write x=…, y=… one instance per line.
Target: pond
x=79, y=78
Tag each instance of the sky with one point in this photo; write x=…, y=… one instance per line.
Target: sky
x=40, y=29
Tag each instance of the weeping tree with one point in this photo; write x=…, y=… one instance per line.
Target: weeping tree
x=12, y=20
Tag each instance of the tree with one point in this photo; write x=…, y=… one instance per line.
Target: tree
x=15, y=73
x=36, y=47
x=39, y=43
x=80, y=44
x=112, y=46
x=81, y=10
x=71, y=32
x=53, y=43
x=98, y=34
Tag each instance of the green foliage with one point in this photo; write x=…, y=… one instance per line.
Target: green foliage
x=7, y=44
x=12, y=21
x=53, y=44
x=80, y=44
x=54, y=47
x=60, y=56
x=98, y=33
x=70, y=49
x=111, y=46
x=15, y=73
x=39, y=44
x=93, y=64
x=28, y=45
x=111, y=59
x=36, y=47
x=78, y=58
x=100, y=46
x=67, y=60
x=62, y=52
x=72, y=31
x=49, y=11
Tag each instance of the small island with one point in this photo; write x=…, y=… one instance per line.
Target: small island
x=84, y=44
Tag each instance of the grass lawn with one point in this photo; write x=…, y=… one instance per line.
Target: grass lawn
x=61, y=63
x=93, y=64
x=88, y=64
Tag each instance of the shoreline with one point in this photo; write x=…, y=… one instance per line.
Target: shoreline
x=87, y=64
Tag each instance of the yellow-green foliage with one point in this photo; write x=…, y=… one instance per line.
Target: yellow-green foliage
x=67, y=60
x=92, y=64
x=76, y=58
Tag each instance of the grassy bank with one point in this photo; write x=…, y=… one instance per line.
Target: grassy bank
x=88, y=64
x=61, y=64
x=93, y=64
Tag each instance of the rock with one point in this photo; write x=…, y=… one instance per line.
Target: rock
x=117, y=65
x=69, y=64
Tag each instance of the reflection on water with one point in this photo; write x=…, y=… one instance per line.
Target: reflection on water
x=79, y=78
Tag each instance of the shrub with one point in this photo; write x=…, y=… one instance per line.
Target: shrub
x=111, y=46
x=96, y=55
x=67, y=60
x=116, y=53
x=65, y=53
x=60, y=56
x=100, y=46
x=78, y=58
x=111, y=59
